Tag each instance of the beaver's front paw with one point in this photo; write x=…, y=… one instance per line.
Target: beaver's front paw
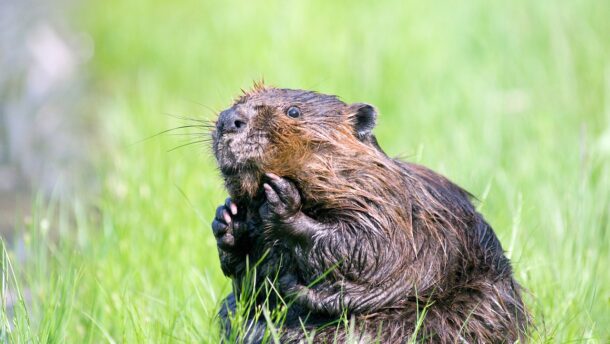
x=224, y=226
x=230, y=236
x=283, y=201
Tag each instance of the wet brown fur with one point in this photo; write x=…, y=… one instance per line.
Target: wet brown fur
x=417, y=243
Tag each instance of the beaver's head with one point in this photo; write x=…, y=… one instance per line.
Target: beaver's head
x=278, y=130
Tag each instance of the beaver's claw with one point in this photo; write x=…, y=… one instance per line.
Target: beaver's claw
x=224, y=226
x=283, y=199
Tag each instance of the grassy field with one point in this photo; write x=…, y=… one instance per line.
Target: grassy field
x=509, y=99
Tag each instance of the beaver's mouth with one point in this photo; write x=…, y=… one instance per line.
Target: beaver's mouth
x=238, y=153
x=236, y=157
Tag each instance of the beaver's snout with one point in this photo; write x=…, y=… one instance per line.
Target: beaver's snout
x=231, y=121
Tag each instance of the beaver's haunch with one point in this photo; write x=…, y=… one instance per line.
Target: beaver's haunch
x=309, y=183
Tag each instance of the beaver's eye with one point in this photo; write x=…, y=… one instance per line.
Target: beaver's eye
x=293, y=112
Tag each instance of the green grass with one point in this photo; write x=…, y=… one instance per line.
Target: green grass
x=509, y=99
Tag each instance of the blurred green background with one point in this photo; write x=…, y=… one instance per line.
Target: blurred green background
x=509, y=99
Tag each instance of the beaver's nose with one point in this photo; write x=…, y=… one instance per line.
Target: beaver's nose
x=230, y=121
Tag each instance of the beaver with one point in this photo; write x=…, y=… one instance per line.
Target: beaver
x=346, y=230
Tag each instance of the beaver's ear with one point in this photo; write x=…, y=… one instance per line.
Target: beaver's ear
x=364, y=117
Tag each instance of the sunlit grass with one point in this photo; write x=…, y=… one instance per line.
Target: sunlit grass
x=509, y=99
